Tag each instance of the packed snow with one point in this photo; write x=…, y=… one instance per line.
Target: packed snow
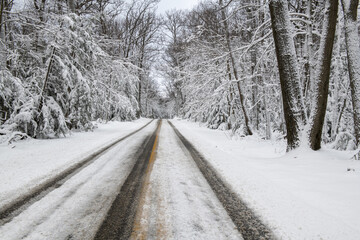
x=300, y=195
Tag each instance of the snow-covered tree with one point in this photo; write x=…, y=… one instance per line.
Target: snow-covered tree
x=322, y=75
x=293, y=104
x=61, y=74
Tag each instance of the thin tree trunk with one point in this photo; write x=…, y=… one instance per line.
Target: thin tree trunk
x=323, y=74
x=337, y=83
x=141, y=74
x=139, y=95
x=339, y=117
x=3, y=55
x=71, y=5
x=146, y=98
x=267, y=116
x=41, y=102
x=309, y=54
x=353, y=53
x=266, y=95
x=288, y=70
x=229, y=96
x=255, y=91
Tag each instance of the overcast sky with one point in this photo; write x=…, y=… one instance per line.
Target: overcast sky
x=165, y=5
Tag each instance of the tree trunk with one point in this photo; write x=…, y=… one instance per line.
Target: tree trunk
x=288, y=70
x=255, y=91
x=71, y=5
x=353, y=54
x=139, y=96
x=141, y=79
x=3, y=55
x=309, y=73
x=337, y=77
x=323, y=74
x=265, y=97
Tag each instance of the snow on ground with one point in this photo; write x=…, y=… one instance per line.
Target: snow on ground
x=300, y=195
x=25, y=164
x=77, y=208
x=179, y=202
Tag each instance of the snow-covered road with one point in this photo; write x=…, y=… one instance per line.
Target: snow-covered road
x=291, y=193
x=77, y=208
x=178, y=202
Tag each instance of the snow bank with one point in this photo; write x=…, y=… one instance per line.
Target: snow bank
x=300, y=195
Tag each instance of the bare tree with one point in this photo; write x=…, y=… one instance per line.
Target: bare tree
x=174, y=56
x=138, y=31
x=247, y=129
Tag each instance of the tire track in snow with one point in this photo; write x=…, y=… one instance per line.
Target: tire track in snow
x=140, y=231
x=120, y=219
x=11, y=210
x=182, y=204
x=248, y=224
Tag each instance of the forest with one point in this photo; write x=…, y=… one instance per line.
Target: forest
x=280, y=69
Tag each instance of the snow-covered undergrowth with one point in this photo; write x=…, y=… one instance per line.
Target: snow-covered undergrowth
x=24, y=164
x=301, y=195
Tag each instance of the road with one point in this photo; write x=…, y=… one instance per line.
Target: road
x=152, y=184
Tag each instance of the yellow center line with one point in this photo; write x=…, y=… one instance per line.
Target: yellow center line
x=139, y=230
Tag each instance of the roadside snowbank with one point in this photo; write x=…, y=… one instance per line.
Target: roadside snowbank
x=300, y=195
x=25, y=164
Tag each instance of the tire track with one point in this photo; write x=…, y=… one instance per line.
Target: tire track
x=119, y=221
x=139, y=231
x=246, y=221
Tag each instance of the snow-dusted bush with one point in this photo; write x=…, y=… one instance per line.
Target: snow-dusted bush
x=24, y=118
x=53, y=120
x=344, y=141
x=49, y=122
x=12, y=93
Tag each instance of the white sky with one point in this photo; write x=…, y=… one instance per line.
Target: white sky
x=163, y=6
x=166, y=5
